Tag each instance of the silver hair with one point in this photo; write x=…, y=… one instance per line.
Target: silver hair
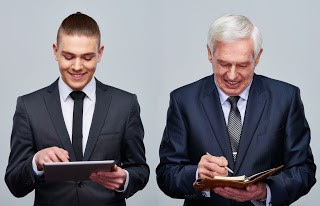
x=229, y=28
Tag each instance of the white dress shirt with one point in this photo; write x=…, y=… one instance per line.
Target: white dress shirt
x=226, y=107
x=88, y=108
x=67, y=111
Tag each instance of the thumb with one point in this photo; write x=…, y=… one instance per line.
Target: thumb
x=115, y=168
x=250, y=188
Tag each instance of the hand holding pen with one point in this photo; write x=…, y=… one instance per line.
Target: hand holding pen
x=211, y=166
x=225, y=167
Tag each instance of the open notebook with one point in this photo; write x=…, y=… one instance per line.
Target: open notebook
x=236, y=181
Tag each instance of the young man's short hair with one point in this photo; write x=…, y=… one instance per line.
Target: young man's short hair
x=79, y=24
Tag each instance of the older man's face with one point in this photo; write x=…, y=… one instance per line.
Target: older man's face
x=233, y=65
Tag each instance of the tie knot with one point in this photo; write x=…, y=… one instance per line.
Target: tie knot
x=233, y=100
x=77, y=95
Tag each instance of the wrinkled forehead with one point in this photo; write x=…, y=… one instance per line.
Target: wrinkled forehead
x=236, y=51
x=238, y=46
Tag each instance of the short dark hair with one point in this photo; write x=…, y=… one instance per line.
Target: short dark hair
x=79, y=24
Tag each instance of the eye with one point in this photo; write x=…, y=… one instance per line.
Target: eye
x=243, y=65
x=68, y=57
x=88, y=57
x=225, y=64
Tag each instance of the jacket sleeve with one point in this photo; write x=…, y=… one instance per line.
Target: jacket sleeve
x=20, y=177
x=175, y=172
x=299, y=174
x=133, y=151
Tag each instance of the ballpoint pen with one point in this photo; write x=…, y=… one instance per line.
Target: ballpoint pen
x=225, y=167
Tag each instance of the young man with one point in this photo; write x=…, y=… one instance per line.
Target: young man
x=238, y=119
x=77, y=118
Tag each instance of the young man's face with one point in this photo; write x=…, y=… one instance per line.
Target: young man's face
x=77, y=57
x=233, y=65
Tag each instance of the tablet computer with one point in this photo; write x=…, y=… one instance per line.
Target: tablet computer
x=75, y=171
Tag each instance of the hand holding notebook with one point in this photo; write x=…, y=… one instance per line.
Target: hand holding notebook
x=236, y=181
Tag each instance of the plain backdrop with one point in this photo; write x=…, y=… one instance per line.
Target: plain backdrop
x=151, y=48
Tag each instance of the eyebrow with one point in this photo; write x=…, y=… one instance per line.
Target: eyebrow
x=226, y=62
x=222, y=61
x=86, y=54
x=89, y=54
x=67, y=53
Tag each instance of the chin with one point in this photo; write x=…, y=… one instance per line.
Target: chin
x=230, y=92
x=76, y=86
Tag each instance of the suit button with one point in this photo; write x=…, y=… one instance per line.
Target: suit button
x=80, y=184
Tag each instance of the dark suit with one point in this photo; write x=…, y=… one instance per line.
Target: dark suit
x=116, y=133
x=275, y=132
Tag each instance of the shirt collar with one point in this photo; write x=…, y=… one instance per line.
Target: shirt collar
x=223, y=96
x=89, y=89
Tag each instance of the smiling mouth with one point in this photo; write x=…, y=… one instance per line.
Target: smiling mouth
x=232, y=83
x=77, y=77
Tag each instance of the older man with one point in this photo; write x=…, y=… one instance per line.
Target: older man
x=238, y=119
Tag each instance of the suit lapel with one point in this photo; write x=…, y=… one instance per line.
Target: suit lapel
x=103, y=100
x=52, y=100
x=212, y=106
x=255, y=106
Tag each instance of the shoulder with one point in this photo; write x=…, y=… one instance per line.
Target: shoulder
x=276, y=86
x=33, y=101
x=278, y=90
x=38, y=94
x=193, y=89
x=116, y=93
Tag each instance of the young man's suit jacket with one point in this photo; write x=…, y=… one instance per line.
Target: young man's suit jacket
x=116, y=133
x=274, y=132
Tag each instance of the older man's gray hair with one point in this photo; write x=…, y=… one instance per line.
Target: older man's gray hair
x=230, y=28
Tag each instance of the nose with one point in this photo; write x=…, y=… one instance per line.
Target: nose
x=232, y=73
x=77, y=65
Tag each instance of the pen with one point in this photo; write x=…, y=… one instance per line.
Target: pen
x=229, y=170
x=225, y=167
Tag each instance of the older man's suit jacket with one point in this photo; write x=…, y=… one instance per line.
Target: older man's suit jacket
x=275, y=132
x=116, y=133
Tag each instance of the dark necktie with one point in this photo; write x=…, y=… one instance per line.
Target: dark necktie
x=78, y=97
x=234, y=125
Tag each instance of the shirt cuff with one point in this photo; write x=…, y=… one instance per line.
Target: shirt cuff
x=205, y=193
x=34, y=167
x=265, y=202
x=125, y=184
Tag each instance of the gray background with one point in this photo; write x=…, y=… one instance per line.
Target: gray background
x=151, y=48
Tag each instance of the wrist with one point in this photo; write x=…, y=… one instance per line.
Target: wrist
x=263, y=196
x=36, y=161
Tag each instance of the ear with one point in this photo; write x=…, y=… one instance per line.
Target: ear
x=100, y=52
x=210, y=56
x=258, y=57
x=55, y=50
